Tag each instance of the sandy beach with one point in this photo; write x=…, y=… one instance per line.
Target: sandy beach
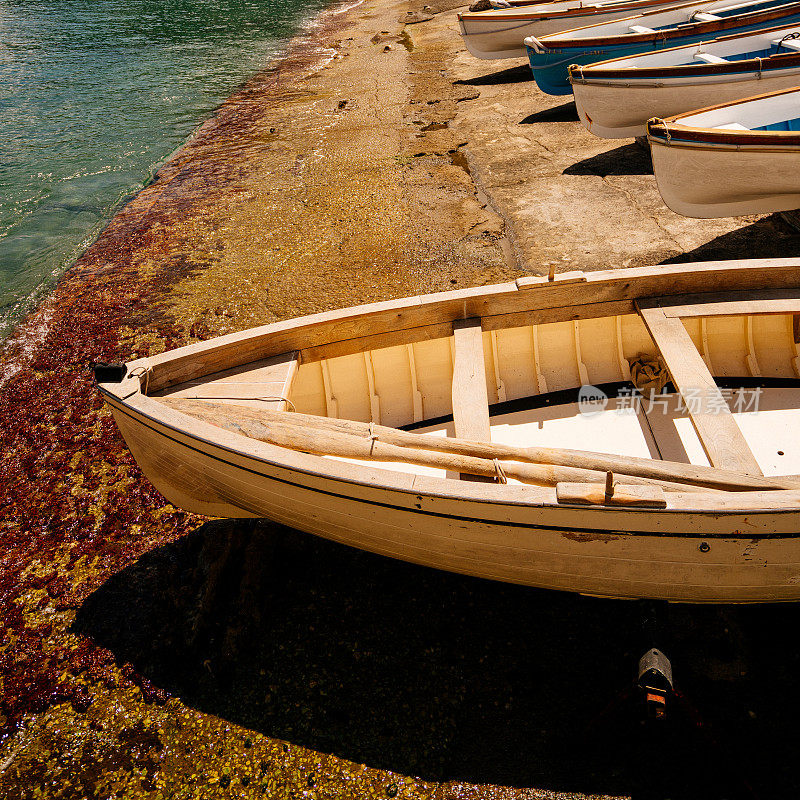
x=150, y=653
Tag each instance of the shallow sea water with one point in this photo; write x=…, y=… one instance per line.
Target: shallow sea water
x=94, y=95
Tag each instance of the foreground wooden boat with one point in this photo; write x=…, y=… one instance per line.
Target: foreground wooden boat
x=437, y=429
x=615, y=98
x=551, y=56
x=731, y=159
x=499, y=33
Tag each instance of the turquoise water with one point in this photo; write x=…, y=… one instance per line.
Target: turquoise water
x=94, y=94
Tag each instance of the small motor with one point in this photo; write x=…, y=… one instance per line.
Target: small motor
x=655, y=683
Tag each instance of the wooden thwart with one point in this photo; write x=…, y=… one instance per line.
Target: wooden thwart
x=716, y=428
x=262, y=384
x=470, y=398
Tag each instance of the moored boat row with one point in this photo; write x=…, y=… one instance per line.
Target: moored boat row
x=679, y=74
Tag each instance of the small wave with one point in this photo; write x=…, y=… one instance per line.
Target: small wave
x=30, y=336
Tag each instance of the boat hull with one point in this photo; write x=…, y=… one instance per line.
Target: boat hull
x=603, y=552
x=491, y=36
x=550, y=67
x=707, y=180
x=620, y=108
x=402, y=363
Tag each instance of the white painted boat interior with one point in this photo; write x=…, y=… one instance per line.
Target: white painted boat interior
x=525, y=375
x=730, y=48
x=758, y=113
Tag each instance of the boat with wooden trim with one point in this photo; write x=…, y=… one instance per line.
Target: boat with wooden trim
x=615, y=98
x=450, y=429
x=731, y=159
x=499, y=33
x=551, y=56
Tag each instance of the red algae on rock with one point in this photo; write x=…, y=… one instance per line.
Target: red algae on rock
x=77, y=719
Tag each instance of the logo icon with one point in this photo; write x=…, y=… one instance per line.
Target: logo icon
x=591, y=400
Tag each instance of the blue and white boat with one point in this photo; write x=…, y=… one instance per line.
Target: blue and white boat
x=615, y=98
x=551, y=56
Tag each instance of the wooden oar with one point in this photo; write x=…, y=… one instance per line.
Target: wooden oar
x=305, y=433
x=357, y=440
x=629, y=466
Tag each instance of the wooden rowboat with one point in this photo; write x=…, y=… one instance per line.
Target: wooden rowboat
x=551, y=56
x=451, y=429
x=731, y=159
x=615, y=98
x=499, y=33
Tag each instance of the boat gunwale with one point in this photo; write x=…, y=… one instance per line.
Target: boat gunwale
x=599, y=70
x=501, y=301
x=553, y=45
x=602, y=6
x=620, y=284
x=750, y=65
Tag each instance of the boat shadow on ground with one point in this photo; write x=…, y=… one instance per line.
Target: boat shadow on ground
x=566, y=112
x=628, y=159
x=768, y=237
x=448, y=677
x=519, y=74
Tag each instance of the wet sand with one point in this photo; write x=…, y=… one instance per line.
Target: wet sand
x=147, y=652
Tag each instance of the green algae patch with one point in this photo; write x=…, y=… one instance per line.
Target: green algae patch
x=117, y=749
x=405, y=40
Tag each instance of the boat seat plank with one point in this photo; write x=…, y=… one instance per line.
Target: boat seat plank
x=640, y=29
x=721, y=304
x=789, y=44
x=269, y=378
x=710, y=58
x=731, y=126
x=703, y=16
x=720, y=436
x=470, y=396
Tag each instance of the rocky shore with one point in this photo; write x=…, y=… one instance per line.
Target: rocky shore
x=149, y=653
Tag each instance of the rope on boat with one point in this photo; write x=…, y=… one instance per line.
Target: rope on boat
x=143, y=372
x=647, y=373
x=792, y=35
x=501, y=473
x=760, y=67
x=659, y=121
x=267, y=399
x=525, y=24
x=373, y=437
